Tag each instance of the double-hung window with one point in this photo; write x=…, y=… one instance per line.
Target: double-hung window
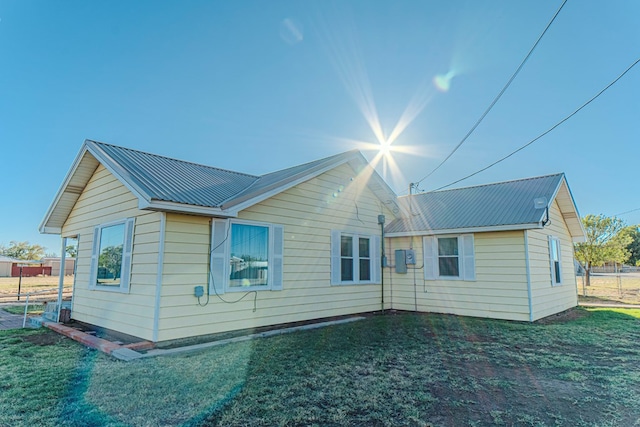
x=111, y=256
x=246, y=256
x=554, y=258
x=354, y=258
x=449, y=257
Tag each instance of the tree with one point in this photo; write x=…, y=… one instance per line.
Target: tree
x=633, y=232
x=71, y=250
x=604, y=243
x=23, y=250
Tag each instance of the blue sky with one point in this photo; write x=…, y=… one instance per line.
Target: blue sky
x=257, y=86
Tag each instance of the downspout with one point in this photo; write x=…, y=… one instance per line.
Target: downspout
x=528, y=271
x=381, y=220
x=61, y=276
x=159, y=271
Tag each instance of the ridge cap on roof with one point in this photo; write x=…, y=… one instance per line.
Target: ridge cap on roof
x=488, y=185
x=99, y=143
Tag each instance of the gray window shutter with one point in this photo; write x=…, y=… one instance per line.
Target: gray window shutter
x=430, y=257
x=93, y=272
x=277, y=258
x=125, y=277
x=218, y=275
x=468, y=257
x=335, y=257
x=376, y=272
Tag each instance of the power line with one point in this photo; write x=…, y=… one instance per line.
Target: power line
x=626, y=212
x=495, y=100
x=593, y=98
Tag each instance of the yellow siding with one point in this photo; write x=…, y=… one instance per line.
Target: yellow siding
x=105, y=199
x=308, y=212
x=548, y=299
x=499, y=291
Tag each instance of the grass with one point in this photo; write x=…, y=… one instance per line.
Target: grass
x=402, y=369
x=19, y=309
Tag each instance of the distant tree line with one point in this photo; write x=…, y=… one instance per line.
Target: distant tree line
x=27, y=251
x=608, y=239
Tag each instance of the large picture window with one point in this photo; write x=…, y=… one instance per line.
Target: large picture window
x=449, y=257
x=111, y=256
x=249, y=260
x=354, y=258
x=246, y=256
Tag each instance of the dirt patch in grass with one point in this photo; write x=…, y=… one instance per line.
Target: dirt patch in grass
x=47, y=338
x=564, y=316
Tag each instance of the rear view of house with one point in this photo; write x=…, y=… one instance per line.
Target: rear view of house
x=169, y=249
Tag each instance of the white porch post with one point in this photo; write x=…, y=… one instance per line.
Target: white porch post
x=62, y=271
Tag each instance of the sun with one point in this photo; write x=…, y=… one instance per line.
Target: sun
x=385, y=148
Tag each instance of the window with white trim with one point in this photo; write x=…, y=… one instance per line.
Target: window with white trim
x=355, y=258
x=111, y=256
x=246, y=256
x=449, y=257
x=554, y=260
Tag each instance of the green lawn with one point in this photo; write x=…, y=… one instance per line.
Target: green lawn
x=402, y=369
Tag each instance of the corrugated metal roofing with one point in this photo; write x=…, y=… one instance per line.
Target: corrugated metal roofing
x=492, y=205
x=172, y=180
x=275, y=179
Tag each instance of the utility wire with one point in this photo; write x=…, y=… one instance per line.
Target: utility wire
x=495, y=100
x=626, y=212
x=593, y=98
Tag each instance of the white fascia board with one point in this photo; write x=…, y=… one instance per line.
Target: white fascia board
x=50, y=230
x=163, y=206
x=117, y=171
x=56, y=199
x=466, y=230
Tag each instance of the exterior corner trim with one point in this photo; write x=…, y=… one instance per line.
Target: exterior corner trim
x=159, y=271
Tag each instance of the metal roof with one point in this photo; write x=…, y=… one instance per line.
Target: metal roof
x=166, y=184
x=501, y=205
x=171, y=180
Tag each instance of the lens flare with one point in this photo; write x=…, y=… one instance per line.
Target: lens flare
x=442, y=82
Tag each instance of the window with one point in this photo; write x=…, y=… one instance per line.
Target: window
x=249, y=261
x=354, y=258
x=554, y=257
x=111, y=256
x=449, y=257
x=448, y=262
x=246, y=256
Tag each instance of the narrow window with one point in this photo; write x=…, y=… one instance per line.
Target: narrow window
x=448, y=261
x=554, y=252
x=346, y=258
x=249, y=260
x=365, y=259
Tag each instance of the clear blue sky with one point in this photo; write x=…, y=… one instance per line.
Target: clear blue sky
x=257, y=86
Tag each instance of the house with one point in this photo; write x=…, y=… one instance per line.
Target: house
x=501, y=250
x=5, y=265
x=169, y=249
x=55, y=262
x=157, y=239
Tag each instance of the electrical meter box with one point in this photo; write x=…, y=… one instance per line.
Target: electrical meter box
x=410, y=256
x=401, y=261
x=198, y=291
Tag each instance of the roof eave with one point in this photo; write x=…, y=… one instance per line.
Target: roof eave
x=467, y=230
x=164, y=206
x=43, y=227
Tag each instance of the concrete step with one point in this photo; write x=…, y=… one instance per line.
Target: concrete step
x=36, y=322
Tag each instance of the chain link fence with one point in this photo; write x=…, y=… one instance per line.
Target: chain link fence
x=622, y=286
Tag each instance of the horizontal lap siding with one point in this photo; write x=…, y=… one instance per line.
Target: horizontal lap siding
x=308, y=213
x=499, y=291
x=103, y=200
x=548, y=299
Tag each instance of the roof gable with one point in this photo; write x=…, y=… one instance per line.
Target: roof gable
x=504, y=205
x=166, y=184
